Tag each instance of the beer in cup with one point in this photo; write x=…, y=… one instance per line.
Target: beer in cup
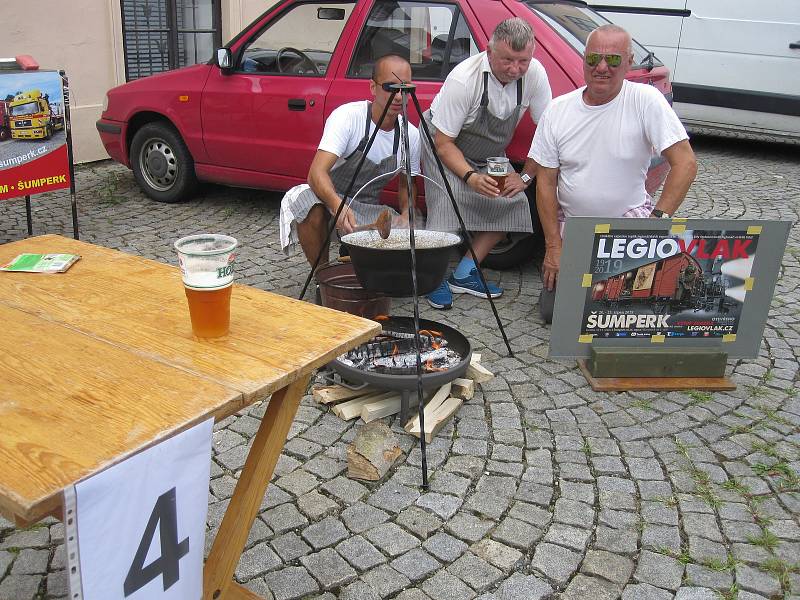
x=206, y=261
x=497, y=169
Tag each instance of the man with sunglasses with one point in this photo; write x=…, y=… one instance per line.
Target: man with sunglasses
x=472, y=118
x=593, y=146
x=306, y=208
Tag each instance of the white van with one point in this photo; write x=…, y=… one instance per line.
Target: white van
x=735, y=63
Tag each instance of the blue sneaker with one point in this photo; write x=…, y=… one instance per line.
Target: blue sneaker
x=441, y=297
x=472, y=285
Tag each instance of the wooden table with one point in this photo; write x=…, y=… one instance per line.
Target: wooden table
x=99, y=363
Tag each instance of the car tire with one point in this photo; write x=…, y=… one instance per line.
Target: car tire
x=162, y=164
x=518, y=248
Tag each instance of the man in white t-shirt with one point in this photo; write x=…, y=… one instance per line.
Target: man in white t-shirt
x=593, y=146
x=472, y=118
x=306, y=208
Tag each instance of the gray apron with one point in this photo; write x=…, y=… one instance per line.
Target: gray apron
x=487, y=136
x=367, y=205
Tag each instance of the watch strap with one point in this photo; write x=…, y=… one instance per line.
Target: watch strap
x=467, y=175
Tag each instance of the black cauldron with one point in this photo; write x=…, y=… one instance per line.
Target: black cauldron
x=385, y=265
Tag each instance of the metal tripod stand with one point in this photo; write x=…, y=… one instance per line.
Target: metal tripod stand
x=406, y=90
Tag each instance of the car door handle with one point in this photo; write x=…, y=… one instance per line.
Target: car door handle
x=794, y=45
x=297, y=104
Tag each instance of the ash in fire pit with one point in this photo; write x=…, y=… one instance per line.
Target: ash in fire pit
x=394, y=353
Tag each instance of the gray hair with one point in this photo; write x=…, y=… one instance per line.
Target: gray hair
x=515, y=32
x=611, y=28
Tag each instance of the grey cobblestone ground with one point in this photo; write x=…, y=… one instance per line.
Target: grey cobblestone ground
x=541, y=488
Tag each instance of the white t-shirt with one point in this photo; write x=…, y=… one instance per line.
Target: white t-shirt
x=603, y=152
x=344, y=129
x=457, y=103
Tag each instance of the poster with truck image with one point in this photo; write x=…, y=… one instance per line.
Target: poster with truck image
x=34, y=157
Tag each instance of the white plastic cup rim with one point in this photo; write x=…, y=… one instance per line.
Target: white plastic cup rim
x=180, y=245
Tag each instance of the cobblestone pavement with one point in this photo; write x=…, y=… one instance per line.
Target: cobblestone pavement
x=542, y=487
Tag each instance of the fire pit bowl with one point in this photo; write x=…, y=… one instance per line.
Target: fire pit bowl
x=385, y=265
x=455, y=340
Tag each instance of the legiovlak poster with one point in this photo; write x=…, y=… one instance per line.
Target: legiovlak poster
x=33, y=145
x=645, y=283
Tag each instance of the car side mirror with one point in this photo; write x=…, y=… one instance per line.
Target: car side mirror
x=225, y=60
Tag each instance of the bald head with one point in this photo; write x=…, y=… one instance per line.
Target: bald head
x=611, y=31
x=384, y=67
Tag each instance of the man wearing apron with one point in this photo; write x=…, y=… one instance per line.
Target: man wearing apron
x=306, y=208
x=474, y=117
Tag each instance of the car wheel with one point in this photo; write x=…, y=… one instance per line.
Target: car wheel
x=162, y=164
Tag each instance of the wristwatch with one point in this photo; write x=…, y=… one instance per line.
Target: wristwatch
x=660, y=214
x=526, y=179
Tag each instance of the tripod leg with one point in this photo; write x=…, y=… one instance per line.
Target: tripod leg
x=467, y=236
x=347, y=193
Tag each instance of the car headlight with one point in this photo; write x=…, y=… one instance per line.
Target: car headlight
x=105, y=103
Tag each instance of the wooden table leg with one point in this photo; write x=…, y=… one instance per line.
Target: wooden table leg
x=249, y=493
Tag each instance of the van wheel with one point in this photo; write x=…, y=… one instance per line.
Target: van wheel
x=162, y=164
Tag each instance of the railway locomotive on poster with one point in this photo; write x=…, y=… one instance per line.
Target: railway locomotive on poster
x=667, y=285
x=646, y=283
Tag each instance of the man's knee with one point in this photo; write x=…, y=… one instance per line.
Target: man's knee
x=547, y=301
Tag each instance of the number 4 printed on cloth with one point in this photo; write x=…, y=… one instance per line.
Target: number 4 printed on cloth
x=138, y=528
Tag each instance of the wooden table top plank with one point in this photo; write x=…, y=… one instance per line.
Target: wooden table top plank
x=99, y=362
x=71, y=406
x=271, y=336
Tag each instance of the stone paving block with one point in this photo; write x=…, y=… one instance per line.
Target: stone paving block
x=303, y=449
x=325, y=533
x=530, y=514
x=468, y=466
x=256, y=561
x=659, y=570
x=576, y=472
x=393, y=497
x=607, y=565
x=443, y=505
x=500, y=486
x=284, y=518
x=346, y=490
x=385, y=580
x=298, y=482
x=330, y=569
x=358, y=590
x=418, y=521
x=617, y=501
x=315, y=506
x=644, y=591
x=704, y=577
x=616, y=540
x=360, y=553
x=695, y=593
x=475, y=572
x=390, y=538
x=360, y=517
x=535, y=493
x=28, y=538
x=19, y=587
x=30, y=562
x=517, y=533
x=487, y=504
x=702, y=550
x=275, y=496
x=468, y=527
x=501, y=556
x=756, y=580
x=702, y=525
x=291, y=583
x=445, y=547
x=450, y=483
x=520, y=586
x=618, y=484
x=582, y=587
x=582, y=492
x=416, y=564
x=659, y=537
x=289, y=546
x=444, y=586
x=658, y=513
x=325, y=467
x=555, y=562
x=574, y=513
x=412, y=595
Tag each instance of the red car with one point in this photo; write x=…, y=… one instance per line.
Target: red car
x=253, y=115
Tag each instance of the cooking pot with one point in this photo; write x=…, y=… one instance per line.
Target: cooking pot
x=339, y=288
x=385, y=265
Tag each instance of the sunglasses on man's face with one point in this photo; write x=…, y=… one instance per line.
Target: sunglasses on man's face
x=612, y=60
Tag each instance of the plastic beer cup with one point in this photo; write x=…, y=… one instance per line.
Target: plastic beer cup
x=497, y=169
x=207, y=268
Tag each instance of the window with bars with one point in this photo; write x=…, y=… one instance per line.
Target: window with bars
x=166, y=34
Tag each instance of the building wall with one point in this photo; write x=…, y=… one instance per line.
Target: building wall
x=84, y=38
